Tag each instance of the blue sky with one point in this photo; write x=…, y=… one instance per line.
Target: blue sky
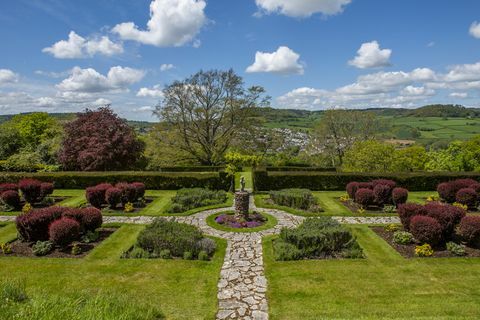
x=65, y=55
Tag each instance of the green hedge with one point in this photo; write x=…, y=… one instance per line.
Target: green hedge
x=296, y=168
x=192, y=169
x=152, y=180
x=336, y=181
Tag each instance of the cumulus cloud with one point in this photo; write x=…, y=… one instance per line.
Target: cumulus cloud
x=381, y=89
x=155, y=92
x=459, y=95
x=371, y=56
x=144, y=109
x=301, y=8
x=475, y=30
x=7, y=76
x=78, y=47
x=166, y=66
x=172, y=23
x=283, y=61
x=89, y=80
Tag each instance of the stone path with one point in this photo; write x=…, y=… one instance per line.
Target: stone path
x=242, y=286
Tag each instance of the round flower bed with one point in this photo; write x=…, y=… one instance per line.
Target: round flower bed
x=226, y=221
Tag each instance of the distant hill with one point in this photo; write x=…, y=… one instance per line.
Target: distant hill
x=445, y=111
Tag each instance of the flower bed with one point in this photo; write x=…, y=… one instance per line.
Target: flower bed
x=27, y=192
x=167, y=239
x=377, y=195
x=436, y=226
x=316, y=238
x=302, y=199
x=57, y=231
x=226, y=221
x=192, y=198
x=122, y=197
x=462, y=191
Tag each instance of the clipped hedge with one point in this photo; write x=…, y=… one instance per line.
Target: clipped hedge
x=336, y=181
x=299, y=168
x=152, y=180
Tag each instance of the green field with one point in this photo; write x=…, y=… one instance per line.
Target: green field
x=181, y=289
x=382, y=286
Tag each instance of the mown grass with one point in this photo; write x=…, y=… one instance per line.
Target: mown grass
x=180, y=289
x=330, y=202
x=382, y=286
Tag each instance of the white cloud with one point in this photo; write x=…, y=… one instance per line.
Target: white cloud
x=371, y=56
x=172, y=23
x=155, y=92
x=417, y=91
x=283, y=61
x=302, y=8
x=89, y=80
x=460, y=95
x=166, y=67
x=144, y=109
x=7, y=76
x=464, y=72
x=475, y=30
x=381, y=89
x=78, y=47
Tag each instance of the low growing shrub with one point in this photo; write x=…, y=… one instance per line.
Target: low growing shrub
x=42, y=248
x=33, y=226
x=319, y=238
x=129, y=192
x=203, y=256
x=402, y=237
x=139, y=253
x=424, y=250
x=8, y=187
x=382, y=194
x=285, y=251
x=295, y=198
x=187, y=199
x=95, y=196
x=113, y=196
x=352, y=188
x=46, y=189
x=407, y=211
x=175, y=237
x=446, y=215
x=456, y=249
x=140, y=189
x=448, y=190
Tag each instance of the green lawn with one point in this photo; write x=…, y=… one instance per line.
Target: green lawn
x=382, y=286
x=330, y=203
x=180, y=289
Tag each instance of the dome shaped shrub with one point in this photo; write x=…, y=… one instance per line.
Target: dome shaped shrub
x=8, y=187
x=447, y=216
x=63, y=231
x=382, y=194
x=10, y=198
x=91, y=219
x=408, y=210
x=426, y=230
x=352, y=188
x=364, y=197
x=33, y=226
x=140, y=188
x=95, y=196
x=113, y=197
x=31, y=190
x=468, y=197
x=469, y=229
x=46, y=189
x=399, y=196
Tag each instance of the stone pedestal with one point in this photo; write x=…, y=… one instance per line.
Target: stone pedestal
x=242, y=202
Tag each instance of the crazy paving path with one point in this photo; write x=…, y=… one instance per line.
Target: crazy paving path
x=242, y=286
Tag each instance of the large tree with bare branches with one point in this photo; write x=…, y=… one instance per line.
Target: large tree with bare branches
x=205, y=111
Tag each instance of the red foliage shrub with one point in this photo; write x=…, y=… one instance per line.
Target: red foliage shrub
x=11, y=198
x=95, y=196
x=364, y=197
x=91, y=219
x=140, y=188
x=392, y=184
x=46, y=189
x=31, y=190
x=446, y=215
x=408, y=210
x=99, y=140
x=476, y=187
x=104, y=187
x=469, y=229
x=352, y=188
x=129, y=192
x=446, y=191
x=399, y=196
x=33, y=226
x=8, y=187
x=75, y=214
x=426, y=229
x=113, y=197
x=468, y=197
x=63, y=231
x=365, y=185
x=382, y=194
